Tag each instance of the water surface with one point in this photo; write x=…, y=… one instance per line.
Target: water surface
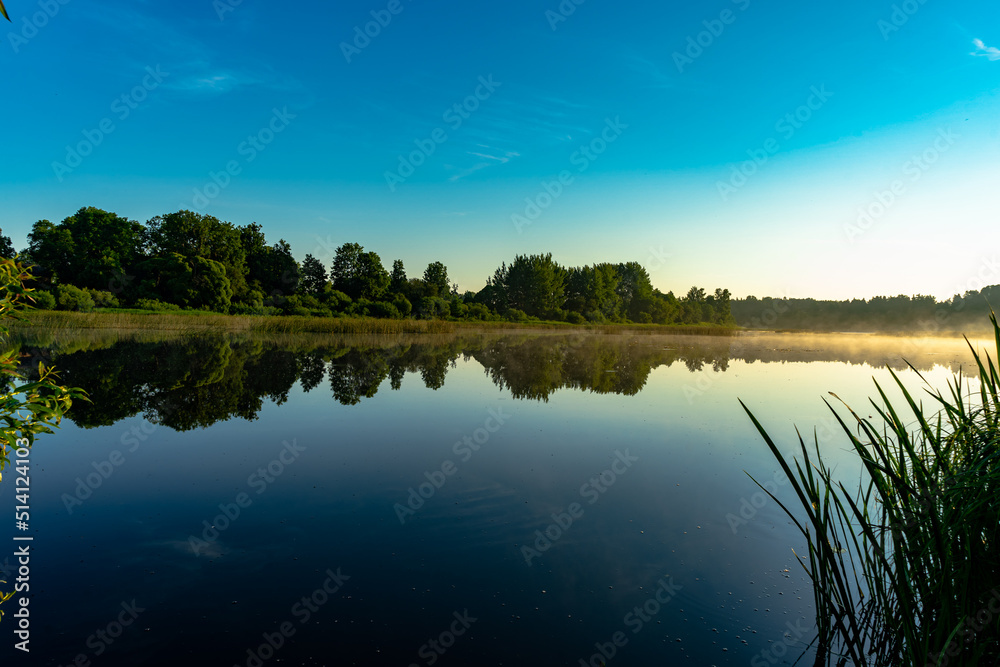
x=460, y=499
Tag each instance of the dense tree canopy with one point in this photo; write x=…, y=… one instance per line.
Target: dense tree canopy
x=358, y=274
x=397, y=279
x=190, y=260
x=920, y=313
x=192, y=235
x=270, y=269
x=89, y=248
x=436, y=279
x=314, y=277
x=532, y=284
x=6, y=246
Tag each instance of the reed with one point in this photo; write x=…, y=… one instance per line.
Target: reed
x=195, y=322
x=199, y=321
x=906, y=568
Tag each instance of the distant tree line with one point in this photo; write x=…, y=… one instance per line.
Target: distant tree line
x=921, y=314
x=187, y=260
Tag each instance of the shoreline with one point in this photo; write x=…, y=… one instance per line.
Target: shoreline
x=196, y=322
x=203, y=322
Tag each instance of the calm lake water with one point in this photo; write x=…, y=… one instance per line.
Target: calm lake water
x=470, y=499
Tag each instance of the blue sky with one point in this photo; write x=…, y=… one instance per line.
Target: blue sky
x=720, y=144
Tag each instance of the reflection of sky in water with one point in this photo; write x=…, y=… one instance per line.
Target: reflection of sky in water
x=333, y=507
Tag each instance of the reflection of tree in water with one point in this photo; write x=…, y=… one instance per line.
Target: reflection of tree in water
x=313, y=370
x=181, y=385
x=190, y=383
x=534, y=368
x=434, y=371
x=357, y=374
x=696, y=364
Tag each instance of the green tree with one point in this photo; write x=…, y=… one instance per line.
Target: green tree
x=436, y=279
x=52, y=251
x=271, y=270
x=346, y=267
x=193, y=235
x=257, y=258
x=373, y=278
x=492, y=296
x=87, y=249
x=692, y=306
x=193, y=282
x=397, y=279
x=635, y=291
x=533, y=284
x=723, y=307
x=358, y=274
x=6, y=246
x=314, y=276
x=592, y=291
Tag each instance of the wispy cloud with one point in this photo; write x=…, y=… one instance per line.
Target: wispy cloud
x=200, y=76
x=990, y=52
x=650, y=74
x=220, y=82
x=489, y=157
x=194, y=65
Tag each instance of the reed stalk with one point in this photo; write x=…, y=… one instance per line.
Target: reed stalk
x=906, y=567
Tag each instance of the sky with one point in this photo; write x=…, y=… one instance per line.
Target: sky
x=784, y=149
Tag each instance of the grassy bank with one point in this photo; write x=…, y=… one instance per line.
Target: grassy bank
x=906, y=568
x=196, y=322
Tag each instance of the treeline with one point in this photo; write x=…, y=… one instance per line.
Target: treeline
x=918, y=314
x=187, y=260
